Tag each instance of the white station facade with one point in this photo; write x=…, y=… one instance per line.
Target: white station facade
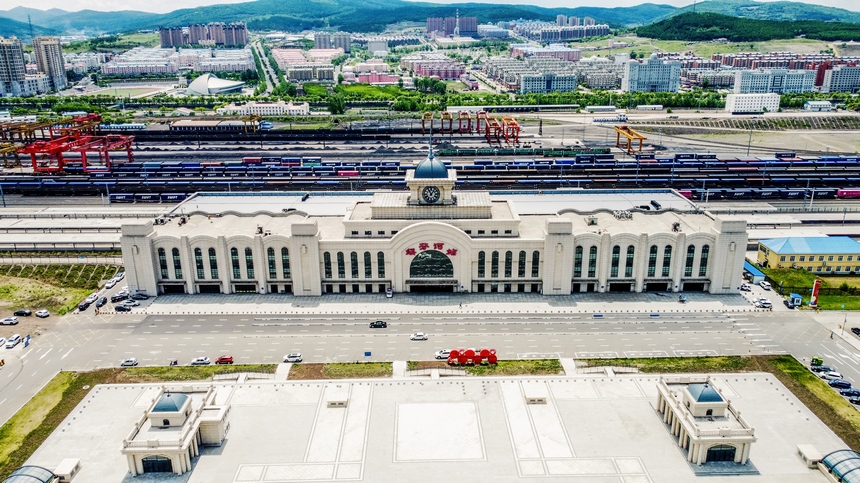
x=435, y=238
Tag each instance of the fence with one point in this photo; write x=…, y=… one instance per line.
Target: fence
x=228, y=375
x=602, y=369
x=60, y=260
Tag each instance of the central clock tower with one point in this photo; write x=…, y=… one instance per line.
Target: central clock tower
x=431, y=183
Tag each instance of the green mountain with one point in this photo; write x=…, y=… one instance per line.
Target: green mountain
x=709, y=26
x=9, y=28
x=786, y=11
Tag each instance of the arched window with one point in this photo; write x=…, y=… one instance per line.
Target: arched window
x=703, y=261
x=535, y=264
x=616, y=254
x=327, y=264
x=353, y=264
x=431, y=263
x=494, y=265
x=482, y=261
x=577, y=262
x=667, y=260
x=592, y=262
x=521, y=265
x=213, y=263
x=177, y=264
x=285, y=262
x=652, y=261
x=509, y=261
x=249, y=262
x=162, y=262
x=165, y=422
x=198, y=261
x=628, y=266
x=273, y=266
x=688, y=267
x=368, y=266
x=341, y=268
x=234, y=259
x=380, y=264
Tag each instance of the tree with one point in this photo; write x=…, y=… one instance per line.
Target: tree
x=400, y=82
x=340, y=78
x=633, y=54
x=336, y=104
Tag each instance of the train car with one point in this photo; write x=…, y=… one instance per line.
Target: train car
x=121, y=198
x=147, y=197
x=252, y=160
x=785, y=155
x=347, y=173
x=311, y=161
x=172, y=197
x=291, y=161
x=848, y=193
x=686, y=193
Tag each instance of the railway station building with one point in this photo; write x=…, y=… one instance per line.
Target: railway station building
x=435, y=238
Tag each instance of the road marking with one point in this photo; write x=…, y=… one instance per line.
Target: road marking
x=46, y=353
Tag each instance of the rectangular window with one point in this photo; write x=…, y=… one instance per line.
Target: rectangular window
x=162, y=263
x=850, y=258
x=828, y=269
x=480, y=232
x=368, y=233
x=213, y=263
x=285, y=262
x=482, y=261
x=791, y=258
x=577, y=263
x=821, y=258
x=177, y=265
x=494, y=265
x=817, y=269
x=667, y=260
x=494, y=232
x=234, y=258
x=535, y=264
x=652, y=262
x=354, y=232
x=688, y=267
x=341, y=266
x=521, y=266
x=380, y=264
x=628, y=267
x=353, y=264
x=839, y=259
x=613, y=269
x=803, y=258
x=838, y=269
x=381, y=232
x=592, y=262
x=782, y=258
x=249, y=263
x=509, y=232
x=368, y=266
x=830, y=258
x=273, y=268
x=703, y=261
x=509, y=264
x=198, y=261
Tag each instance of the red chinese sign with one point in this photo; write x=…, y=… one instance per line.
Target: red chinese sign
x=435, y=246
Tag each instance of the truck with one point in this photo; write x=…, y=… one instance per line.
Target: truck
x=621, y=117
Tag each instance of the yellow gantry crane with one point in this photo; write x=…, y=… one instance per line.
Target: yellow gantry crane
x=631, y=136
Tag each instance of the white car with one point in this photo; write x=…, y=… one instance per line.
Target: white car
x=763, y=303
x=13, y=341
x=130, y=362
x=443, y=354
x=119, y=276
x=745, y=287
x=93, y=297
x=418, y=336
x=294, y=357
x=110, y=284
x=131, y=303
x=200, y=361
x=9, y=321
x=43, y=313
x=764, y=285
x=389, y=293
x=831, y=375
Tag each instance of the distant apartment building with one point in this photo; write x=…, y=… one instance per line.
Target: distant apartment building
x=371, y=65
x=651, y=75
x=14, y=80
x=752, y=103
x=377, y=46
x=408, y=62
x=842, y=78
x=709, y=78
x=588, y=21
x=84, y=62
x=342, y=40
x=49, y=60
x=198, y=34
x=546, y=32
x=377, y=78
x=572, y=21
x=544, y=83
x=299, y=65
x=493, y=32
x=279, y=108
x=171, y=36
x=142, y=60
x=444, y=70
x=558, y=51
x=322, y=40
x=392, y=39
x=435, y=24
x=214, y=34
x=561, y=20
x=447, y=26
x=548, y=74
x=778, y=81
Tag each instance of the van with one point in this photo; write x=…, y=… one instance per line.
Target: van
x=13, y=341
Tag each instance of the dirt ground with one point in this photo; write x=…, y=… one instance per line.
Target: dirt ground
x=800, y=141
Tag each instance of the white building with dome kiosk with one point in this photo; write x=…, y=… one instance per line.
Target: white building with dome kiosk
x=433, y=237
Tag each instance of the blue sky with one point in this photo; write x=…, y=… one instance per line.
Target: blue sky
x=162, y=6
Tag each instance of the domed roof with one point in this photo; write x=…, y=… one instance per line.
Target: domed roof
x=208, y=84
x=704, y=393
x=431, y=168
x=170, y=403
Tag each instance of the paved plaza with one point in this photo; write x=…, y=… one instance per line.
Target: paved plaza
x=592, y=429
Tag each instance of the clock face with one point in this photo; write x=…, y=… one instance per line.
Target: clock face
x=430, y=194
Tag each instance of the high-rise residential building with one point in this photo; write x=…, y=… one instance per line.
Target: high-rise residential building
x=842, y=78
x=561, y=20
x=587, y=21
x=573, y=21
x=435, y=24
x=651, y=75
x=49, y=60
x=171, y=36
x=235, y=35
x=322, y=40
x=468, y=26
x=12, y=72
x=341, y=40
x=216, y=33
x=198, y=34
x=777, y=81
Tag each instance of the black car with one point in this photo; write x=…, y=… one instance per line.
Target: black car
x=840, y=383
x=23, y=313
x=788, y=303
x=83, y=306
x=101, y=302
x=854, y=400
x=821, y=368
x=118, y=298
x=121, y=308
x=140, y=296
x=850, y=392
x=856, y=330
x=379, y=324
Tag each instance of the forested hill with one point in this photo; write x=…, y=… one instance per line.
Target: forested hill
x=710, y=26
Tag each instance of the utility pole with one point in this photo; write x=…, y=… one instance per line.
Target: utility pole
x=31, y=28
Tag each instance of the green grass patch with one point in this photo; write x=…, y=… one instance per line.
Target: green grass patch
x=367, y=91
x=535, y=367
x=357, y=370
x=315, y=90
x=792, y=277
x=189, y=373
x=680, y=364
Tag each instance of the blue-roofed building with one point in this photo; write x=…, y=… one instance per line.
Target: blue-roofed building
x=824, y=254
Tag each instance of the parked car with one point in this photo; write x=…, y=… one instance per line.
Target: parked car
x=110, y=284
x=131, y=303
x=101, y=302
x=389, y=293
x=224, y=360
x=119, y=276
x=42, y=313
x=2, y=341
x=92, y=297
x=293, y=357
x=200, y=361
x=130, y=362
x=379, y=324
x=121, y=308
x=123, y=293
x=840, y=383
x=745, y=287
x=821, y=368
x=763, y=303
x=418, y=336
x=442, y=354
x=856, y=330
x=682, y=298
x=764, y=285
x=22, y=313
x=788, y=303
x=9, y=321
x=13, y=341
x=854, y=400
x=140, y=296
x=118, y=298
x=831, y=375
x=84, y=305
x=850, y=391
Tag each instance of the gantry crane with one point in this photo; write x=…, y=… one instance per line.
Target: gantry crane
x=631, y=136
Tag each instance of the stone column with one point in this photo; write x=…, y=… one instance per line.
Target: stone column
x=640, y=261
x=746, y=453
x=132, y=467
x=139, y=259
x=262, y=269
x=604, y=262
x=557, y=258
x=186, y=258
x=305, y=259
x=225, y=268
x=680, y=259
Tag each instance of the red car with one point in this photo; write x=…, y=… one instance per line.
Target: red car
x=224, y=360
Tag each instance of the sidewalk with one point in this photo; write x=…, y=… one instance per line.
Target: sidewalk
x=372, y=305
